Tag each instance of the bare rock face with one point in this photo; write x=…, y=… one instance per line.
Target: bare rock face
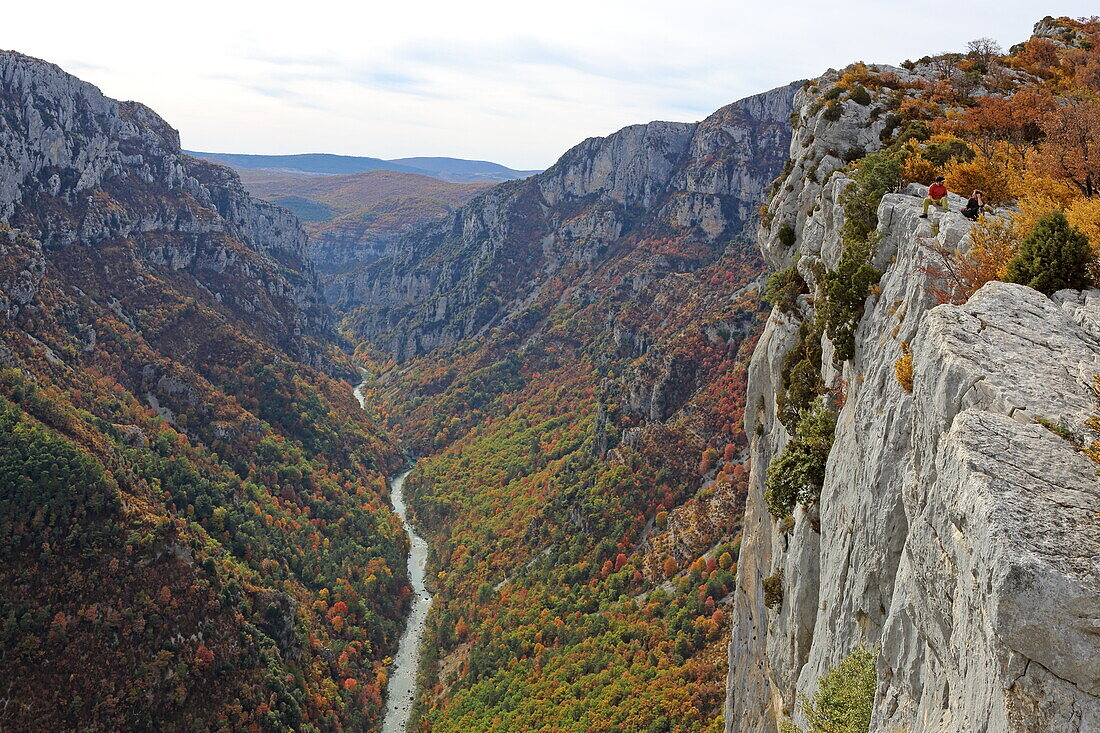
x=482, y=266
x=80, y=169
x=343, y=246
x=999, y=577
x=955, y=533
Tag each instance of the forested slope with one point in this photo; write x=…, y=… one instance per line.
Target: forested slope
x=193, y=528
x=573, y=361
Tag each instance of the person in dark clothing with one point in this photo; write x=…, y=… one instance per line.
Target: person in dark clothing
x=975, y=205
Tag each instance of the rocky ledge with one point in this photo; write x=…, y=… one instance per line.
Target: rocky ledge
x=956, y=531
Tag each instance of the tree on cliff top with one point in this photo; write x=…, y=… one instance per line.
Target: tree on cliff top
x=1053, y=256
x=1072, y=147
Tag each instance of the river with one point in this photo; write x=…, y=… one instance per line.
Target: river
x=401, y=689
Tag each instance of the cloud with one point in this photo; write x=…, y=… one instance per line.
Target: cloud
x=486, y=79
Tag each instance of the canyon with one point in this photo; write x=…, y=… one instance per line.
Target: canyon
x=607, y=372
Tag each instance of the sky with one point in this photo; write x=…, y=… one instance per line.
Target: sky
x=510, y=81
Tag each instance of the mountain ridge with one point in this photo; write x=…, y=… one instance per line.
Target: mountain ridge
x=455, y=170
x=709, y=205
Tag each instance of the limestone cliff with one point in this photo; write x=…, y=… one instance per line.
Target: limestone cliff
x=179, y=484
x=954, y=533
x=485, y=265
x=80, y=169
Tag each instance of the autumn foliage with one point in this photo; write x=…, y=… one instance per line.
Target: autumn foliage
x=1033, y=142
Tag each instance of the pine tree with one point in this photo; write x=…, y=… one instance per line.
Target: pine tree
x=1052, y=257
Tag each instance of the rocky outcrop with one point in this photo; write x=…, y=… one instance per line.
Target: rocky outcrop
x=955, y=533
x=488, y=262
x=21, y=273
x=344, y=245
x=80, y=169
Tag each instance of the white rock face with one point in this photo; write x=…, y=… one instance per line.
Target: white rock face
x=80, y=169
x=1003, y=524
x=957, y=534
x=702, y=180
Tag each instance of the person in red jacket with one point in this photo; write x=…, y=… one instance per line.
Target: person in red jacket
x=937, y=194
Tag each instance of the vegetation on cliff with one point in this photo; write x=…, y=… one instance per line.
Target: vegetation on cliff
x=579, y=573
x=194, y=532
x=1024, y=127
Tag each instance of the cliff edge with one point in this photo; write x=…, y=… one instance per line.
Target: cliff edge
x=955, y=534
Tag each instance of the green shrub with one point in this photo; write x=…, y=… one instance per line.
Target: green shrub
x=800, y=377
x=913, y=130
x=786, y=234
x=783, y=288
x=890, y=125
x=833, y=110
x=860, y=96
x=853, y=154
x=832, y=94
x=942, y=153
x=796, y=475
x=773, y=590
x=876, y=175
x=1052, y=257
x=778, y=182
x=1060, y=430
x=845, y=696
x=845, y=288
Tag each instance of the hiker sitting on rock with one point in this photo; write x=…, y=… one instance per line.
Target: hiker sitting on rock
x=937, y=194
x=975, y=205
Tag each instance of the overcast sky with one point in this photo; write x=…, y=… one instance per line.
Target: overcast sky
x=510, y=81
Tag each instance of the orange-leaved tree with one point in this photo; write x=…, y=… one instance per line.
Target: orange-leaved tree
x=1071, y=150
x=955, y=275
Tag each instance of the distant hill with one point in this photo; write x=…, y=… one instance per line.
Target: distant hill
x=455, y=170
x=346, y=193
x=354, y=219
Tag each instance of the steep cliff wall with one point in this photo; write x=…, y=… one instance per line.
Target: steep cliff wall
x=954, y=533
x=486, y=264
x=80, y=169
